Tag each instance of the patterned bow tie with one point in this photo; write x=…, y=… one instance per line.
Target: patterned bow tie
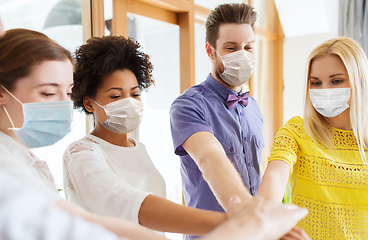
x=232, y=99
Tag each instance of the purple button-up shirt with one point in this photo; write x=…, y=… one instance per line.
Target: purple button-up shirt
x=239, y=130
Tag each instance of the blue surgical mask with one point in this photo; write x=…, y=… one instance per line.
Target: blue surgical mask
x=45, y=123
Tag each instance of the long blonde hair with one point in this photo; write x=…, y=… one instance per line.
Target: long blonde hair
x=356, y=64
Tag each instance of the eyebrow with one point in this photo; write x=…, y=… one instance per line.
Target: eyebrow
x=331, y=76
x=48, y=84
x=52, y=84
x=337, y=74
x=121, y=89
x=253, y=41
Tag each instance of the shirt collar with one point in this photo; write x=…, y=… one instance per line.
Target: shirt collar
x=219, y=88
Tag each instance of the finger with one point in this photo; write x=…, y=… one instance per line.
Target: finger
x=291, y=206
x=298, y=214
x=234, y=205
x=234, y=200
x=297, y=234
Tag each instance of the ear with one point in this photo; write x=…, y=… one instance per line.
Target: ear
x=87, y=103
x=210, y=51
x=2, y=97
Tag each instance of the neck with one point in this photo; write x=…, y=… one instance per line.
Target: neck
x=121, y=140
x=341, y=121
x=4, y=127
x=216, y=76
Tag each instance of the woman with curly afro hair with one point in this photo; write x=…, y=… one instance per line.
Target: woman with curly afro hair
x=107, y=172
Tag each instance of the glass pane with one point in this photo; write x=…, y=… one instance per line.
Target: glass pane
x=263, y=88
x=108, y=17
x=160, y=40
x=61, y=21
x=211, y=4
x=203, y=64
x=266, y=11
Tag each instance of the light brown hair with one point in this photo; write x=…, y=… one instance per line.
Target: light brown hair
x=355, y=61
x=21, y=50
x=228, y=13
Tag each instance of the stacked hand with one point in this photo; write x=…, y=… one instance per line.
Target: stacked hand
x=261, y=219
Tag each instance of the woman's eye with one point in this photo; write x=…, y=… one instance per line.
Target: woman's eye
x=136, y=95
x=48, y=94
x=115, y=97
x=337, y=81
x=315, y=83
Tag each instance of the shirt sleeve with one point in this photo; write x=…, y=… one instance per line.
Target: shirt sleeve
x=187, y=116
x=101, y=189
x=28, y=175
x=285, y=146
x=25, y=213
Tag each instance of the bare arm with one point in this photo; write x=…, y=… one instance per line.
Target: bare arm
x=217, y=170
x=274, y=180
x=120, y=227
x=163, y=215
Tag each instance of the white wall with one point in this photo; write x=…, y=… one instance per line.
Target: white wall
x=298, y=43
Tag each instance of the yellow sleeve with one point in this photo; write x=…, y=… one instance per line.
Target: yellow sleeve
x=285, y=146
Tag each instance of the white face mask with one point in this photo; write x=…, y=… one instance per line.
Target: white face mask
x=238, y=67
x=330, y=102
x=123, y=116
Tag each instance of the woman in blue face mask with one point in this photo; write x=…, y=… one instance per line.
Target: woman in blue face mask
x=324, y=155
x=35, y=107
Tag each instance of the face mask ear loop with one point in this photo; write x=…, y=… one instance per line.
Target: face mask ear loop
x=7, y=114
x=6, y=111
x=222, y=63
x=104, y=111
x=12, y=95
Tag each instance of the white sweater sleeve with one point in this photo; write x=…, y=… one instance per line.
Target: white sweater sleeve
x=100, y=189
x=25, y=213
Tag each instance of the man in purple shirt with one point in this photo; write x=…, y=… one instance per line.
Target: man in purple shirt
x=216, y=127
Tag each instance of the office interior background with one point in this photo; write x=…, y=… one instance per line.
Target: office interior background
x=172, y=32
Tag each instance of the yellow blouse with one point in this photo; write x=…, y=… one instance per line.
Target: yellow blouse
x=333, y=186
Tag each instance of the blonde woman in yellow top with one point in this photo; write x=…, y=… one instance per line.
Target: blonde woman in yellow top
x=324, y=155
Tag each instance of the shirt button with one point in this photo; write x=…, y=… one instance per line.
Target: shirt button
x=241, y=113
x=250, y=164
x=253, y=188
x=245, y=138
x=231, y=149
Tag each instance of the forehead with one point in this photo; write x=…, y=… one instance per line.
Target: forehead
x=55, y=71
x=327, y=65
x=236, y=33
x=120, y=78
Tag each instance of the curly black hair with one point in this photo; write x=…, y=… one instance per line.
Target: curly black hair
x=102, y=56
